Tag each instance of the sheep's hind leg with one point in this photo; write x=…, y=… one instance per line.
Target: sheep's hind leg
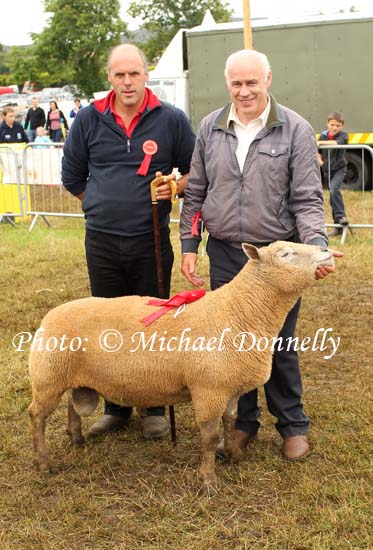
x=74, y=425
x=210, y=439
x=38, y=411
x=231, y=449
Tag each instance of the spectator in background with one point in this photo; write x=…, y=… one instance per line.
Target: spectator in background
x=35, y=117
x=11, y=131
x=334, y=167
x=77, y=106
x=56, y=121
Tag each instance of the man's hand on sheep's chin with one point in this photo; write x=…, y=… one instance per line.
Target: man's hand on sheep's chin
x=324, y=270
x=188, y=266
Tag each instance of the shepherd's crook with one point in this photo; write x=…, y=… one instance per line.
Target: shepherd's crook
x=158, y=261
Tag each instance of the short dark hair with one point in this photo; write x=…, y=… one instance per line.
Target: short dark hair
x=336, y=115
x=8, y=109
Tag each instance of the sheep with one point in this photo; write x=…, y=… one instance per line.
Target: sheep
x=196, y=355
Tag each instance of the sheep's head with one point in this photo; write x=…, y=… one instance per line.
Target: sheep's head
x=290, y=266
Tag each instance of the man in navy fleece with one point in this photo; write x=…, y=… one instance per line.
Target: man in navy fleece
x=115, y=148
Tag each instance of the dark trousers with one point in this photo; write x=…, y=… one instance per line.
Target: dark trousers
x=125, y=266
x=335, y=194
x=283, y=391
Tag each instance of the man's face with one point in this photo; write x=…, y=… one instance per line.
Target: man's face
x=128, y=77
x=248, y=86
x=34, y=103
x=9, y=119
x=334, y=127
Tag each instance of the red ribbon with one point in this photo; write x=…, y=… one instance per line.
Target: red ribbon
x=183, y=297
x=150, y=148
x=143, y=170
x=194, y=232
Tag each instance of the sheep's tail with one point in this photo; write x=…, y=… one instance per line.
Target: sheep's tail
x=85, y=401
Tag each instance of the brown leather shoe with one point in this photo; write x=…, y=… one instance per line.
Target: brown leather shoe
x=108, y=423
x=296, y=447
x=242, y=440
x=154, y=427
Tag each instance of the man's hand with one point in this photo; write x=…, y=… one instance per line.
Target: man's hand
x=163, y=191
x=324, y=270
x=188, y=265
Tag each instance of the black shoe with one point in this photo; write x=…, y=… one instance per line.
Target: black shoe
x=336, y=231
x=343, y=220
x=154, y=427
x=108, y=423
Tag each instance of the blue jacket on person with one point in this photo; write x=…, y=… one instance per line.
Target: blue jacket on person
x=12, y=134
x=101, y=161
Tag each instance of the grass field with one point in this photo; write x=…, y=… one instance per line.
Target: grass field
x=120, y=492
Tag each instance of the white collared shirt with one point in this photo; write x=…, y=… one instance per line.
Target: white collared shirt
x=246, y=132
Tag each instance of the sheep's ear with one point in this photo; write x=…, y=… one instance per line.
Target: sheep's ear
x=251, y=251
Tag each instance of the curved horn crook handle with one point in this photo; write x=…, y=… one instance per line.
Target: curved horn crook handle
x=157, y=181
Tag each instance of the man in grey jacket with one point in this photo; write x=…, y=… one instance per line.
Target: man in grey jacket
x=255, y=178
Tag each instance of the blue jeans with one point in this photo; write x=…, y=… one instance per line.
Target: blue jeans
x=335, y=195
x=56, y=135
x=31, y=135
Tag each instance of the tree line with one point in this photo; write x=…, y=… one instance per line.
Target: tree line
x=74, y=45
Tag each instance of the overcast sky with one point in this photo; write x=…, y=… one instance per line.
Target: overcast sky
x=27, y=16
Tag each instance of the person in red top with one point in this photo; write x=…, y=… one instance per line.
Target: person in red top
x=55, y=120
x=114, y=149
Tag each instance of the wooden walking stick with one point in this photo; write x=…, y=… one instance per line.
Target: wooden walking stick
x=158, y=260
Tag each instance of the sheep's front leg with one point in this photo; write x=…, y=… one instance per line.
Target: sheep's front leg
x=74, y=425
x=210, y=439
x=231, y=449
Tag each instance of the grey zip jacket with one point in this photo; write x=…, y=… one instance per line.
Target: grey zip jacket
x=277, y=196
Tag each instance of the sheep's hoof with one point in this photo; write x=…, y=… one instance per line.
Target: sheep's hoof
x=43, y=467
x=208, y=490
x=237, y=454
x=75, y=440
x=78, y=442
x=232, y=455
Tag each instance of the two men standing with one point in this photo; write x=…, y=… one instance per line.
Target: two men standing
x=254, y=177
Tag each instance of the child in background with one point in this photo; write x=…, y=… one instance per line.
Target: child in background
x=41, y=137
x=77, y=106
x=334, y=167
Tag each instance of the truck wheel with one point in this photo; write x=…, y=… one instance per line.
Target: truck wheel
x=354, y=176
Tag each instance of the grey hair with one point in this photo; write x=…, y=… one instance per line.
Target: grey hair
x=248, y=54
x=125, y=46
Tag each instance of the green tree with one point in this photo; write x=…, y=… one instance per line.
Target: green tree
x=73, y=47
x=23, y=66
x=163, y=18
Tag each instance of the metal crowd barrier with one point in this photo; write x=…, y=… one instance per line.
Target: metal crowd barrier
x=11, y=198
x=45, y=196
x=349, y=228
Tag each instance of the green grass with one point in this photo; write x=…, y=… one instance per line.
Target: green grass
x=121, y=492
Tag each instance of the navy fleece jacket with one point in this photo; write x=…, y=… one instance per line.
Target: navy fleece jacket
x=101, y=161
